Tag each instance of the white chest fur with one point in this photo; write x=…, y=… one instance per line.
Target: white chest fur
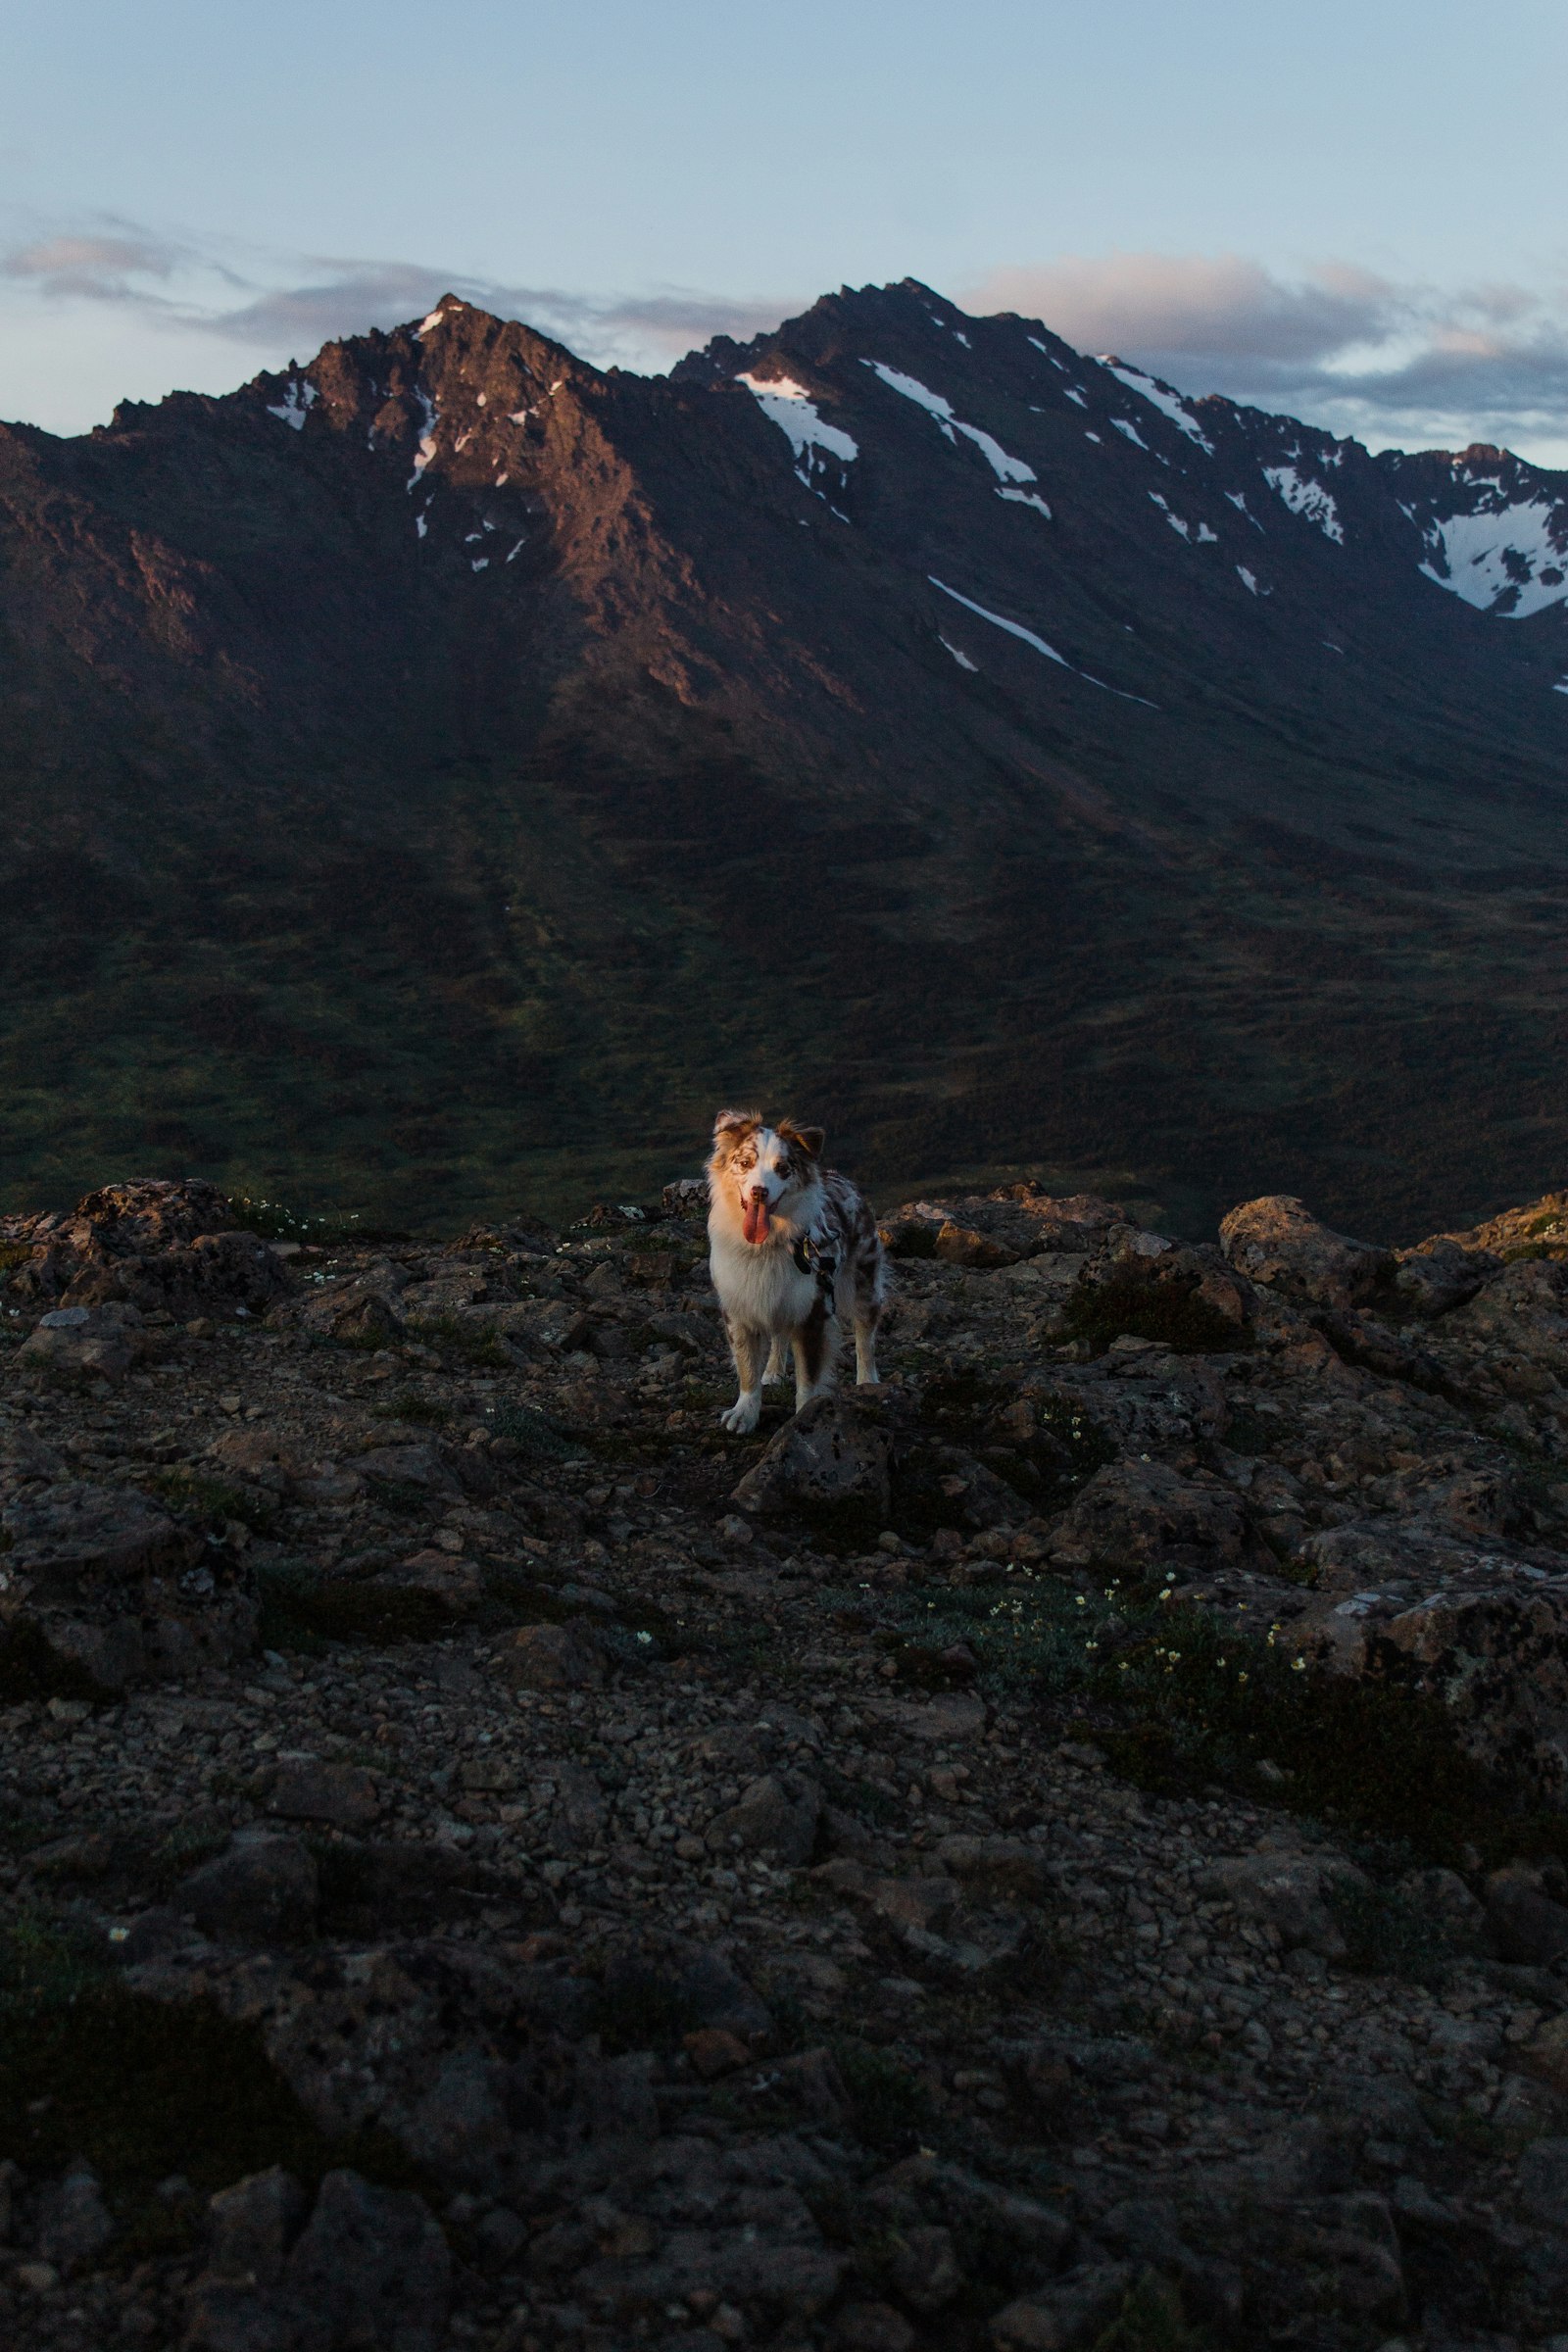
x=761, y=1288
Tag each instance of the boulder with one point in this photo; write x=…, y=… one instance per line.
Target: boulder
x=1439, y=1275
x=1476, y=1623
x=153, y=1245
x=74, y=2221
x=1060, y=2319
x=775, y=1819
x=75, y=1346
x=344, y=1796
x=833, y=1458
x=1543, y=2183
x=1145, y=1515
x=263, y=1890
x=73, y=1534
x=1529, y=1927
x=551, y=1657
x=1289, y=1893
x=1277, y=1241
x=252, y=2226
x=372, y=2264
x=104, y=1584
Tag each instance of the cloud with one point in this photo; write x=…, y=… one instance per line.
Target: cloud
x=1338, y=344
x=276, y=308
x=97, y=268
x=626, y=329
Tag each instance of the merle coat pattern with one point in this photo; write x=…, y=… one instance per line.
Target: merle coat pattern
x=795, y=1256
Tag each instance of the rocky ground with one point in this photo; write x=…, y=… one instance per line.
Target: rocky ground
x=1064, y=1850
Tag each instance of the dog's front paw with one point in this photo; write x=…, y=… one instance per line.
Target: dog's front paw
x=743, y=1417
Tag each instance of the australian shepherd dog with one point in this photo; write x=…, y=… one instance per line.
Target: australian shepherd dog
x=795, y=1256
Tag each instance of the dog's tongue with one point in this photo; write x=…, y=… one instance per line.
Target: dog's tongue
x=756, y=1219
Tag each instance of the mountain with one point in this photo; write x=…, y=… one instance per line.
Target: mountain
x=433, y=776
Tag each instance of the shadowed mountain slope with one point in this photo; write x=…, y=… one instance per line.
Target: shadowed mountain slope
x=444, y=764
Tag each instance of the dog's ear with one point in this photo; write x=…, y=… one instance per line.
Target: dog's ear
x=810, y=1139
x=731, y=1126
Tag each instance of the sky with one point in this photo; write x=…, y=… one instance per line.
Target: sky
x=1349, y=212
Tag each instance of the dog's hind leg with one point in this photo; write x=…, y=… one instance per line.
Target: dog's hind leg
x=749, y=1346
x=775, y=1369
x=866, y=1319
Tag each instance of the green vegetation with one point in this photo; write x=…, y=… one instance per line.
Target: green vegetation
x=1151, y=2320
x=1176, y=1699
x=144, y=2089
x=303, y=1610
x=212, y=1502
x=1171, y=1313
x=891, y=2106
x=273, y=1222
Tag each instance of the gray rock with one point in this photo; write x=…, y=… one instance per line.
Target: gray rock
x=1529, y=1927
x=1289, y=1893
x=1058, y=2319
x=1543, y=2183
x=73, y=2222
x=263, y=1890
x=1439, y=1275
x=832, y=1457
x=76, y=1345
x=72, y=1532
x=1146, y=1514
x=346, y=1796
x=551, y=1657
x=775, y=1818
x=1277, y=1241
x=252, y=2226
x=460, y=2128
x=924, y=2268
x=373, y=2265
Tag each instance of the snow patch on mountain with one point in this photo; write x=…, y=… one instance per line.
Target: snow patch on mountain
x=1013, y=629
x=1026, y=498
x=1308, y=498
x=1124, y=424
x=961, y=659
x=1005, y=467
x=1161, y=397
x=1509, y=558
x=427, y=439
x=793, y=409
x=296, y=403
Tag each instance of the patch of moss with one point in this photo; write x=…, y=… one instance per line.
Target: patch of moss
x=302, y=1610
x=144, y=2089
x=212, y=1501
x=411, y=1404
x=1167, y=1312
x=891, y=2106
x=472, y=1343
x=31, y=1669
x=536, y=1436
x=1151, y=2320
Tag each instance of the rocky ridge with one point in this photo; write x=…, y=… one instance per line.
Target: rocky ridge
x=1064, y=1850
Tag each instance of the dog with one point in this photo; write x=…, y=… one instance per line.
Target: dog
x=795, y=1256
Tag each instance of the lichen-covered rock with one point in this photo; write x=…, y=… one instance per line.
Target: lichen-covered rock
x=80, y=1345
x=832, y=1457
x=115, y=1587
x=1277, y=1241
x=153, y=1245
x=775, y=1818
x=551, y=1657
x=1145, y=1515
x=263, y=1890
